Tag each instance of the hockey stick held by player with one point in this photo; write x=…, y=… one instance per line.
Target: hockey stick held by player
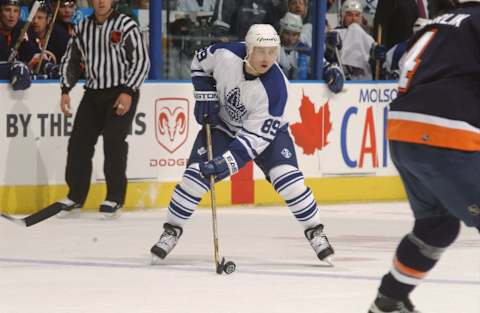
x=252, y=95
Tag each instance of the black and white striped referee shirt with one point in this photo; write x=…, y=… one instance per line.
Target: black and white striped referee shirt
x=113, y=53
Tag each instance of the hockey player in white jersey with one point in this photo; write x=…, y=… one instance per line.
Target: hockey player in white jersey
x=241, y=92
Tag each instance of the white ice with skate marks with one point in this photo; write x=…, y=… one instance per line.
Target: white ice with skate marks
x=88, y=265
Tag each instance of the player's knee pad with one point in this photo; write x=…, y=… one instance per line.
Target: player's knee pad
x=437, y=231
x=287, y=180
x=193, y=182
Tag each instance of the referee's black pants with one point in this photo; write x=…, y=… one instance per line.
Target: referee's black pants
x=96, y=116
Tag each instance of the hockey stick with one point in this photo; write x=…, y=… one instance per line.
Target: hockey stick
x=24, y=29
x=340, y=63
x=18, y=221
x=47, y=38
x=378, y=64
x=219, y=265
x=36, y=217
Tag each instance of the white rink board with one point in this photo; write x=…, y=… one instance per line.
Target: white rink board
x=34, y=133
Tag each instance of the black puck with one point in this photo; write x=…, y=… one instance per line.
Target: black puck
x=229, y=267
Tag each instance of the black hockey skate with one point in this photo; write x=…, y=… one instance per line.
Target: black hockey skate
x=383, y=304
x=168, y=240
x=320, y=244
x=110, y=209
x=69, y=208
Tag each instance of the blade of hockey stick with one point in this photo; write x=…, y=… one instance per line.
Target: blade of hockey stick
x=219, y=266
x=18, y=221
x=36, y=217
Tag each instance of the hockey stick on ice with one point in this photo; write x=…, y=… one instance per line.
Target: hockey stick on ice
x=18, y=221
x=220, y=266
x=24, y=29
x=36, y=217
x=47, y=38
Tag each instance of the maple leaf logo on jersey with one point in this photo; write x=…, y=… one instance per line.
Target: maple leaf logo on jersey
x=312, y=132
x=235, y=109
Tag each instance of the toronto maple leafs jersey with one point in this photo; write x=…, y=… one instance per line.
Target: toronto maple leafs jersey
x=439, y=86
x=251, y=108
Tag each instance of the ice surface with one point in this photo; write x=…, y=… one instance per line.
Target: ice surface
x=90, y=265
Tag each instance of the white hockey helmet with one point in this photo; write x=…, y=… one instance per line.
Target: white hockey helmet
x=291, y=22
x=351, y=6
x=261, y=35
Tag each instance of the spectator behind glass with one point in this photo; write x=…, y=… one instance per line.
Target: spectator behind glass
x=291, y=48
x=352, y=12
x=10, y=27
x=359, y=50
x=189, y=33
x=232, y=19
x=65, y=15
x=57, y=43
x=294, y=57
x=300, y=7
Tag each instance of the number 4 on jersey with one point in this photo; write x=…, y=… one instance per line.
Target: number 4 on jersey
x=413, y=60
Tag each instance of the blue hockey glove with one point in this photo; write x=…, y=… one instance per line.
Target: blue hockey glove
x=221, y=166
x=378, y=52
x=333, y=40
x=20, y=76
x=207, y=107
x=52, y=70
x=334, y=77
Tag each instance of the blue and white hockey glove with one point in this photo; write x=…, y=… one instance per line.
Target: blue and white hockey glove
x=20, y=76
x=334, y=77
x=221, y=166
x=207, y=107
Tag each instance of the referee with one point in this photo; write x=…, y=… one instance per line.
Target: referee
x=110, y=49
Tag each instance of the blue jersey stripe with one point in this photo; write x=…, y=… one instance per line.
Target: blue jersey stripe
x=249, y=144
x=274, y=83
x=238, y=48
